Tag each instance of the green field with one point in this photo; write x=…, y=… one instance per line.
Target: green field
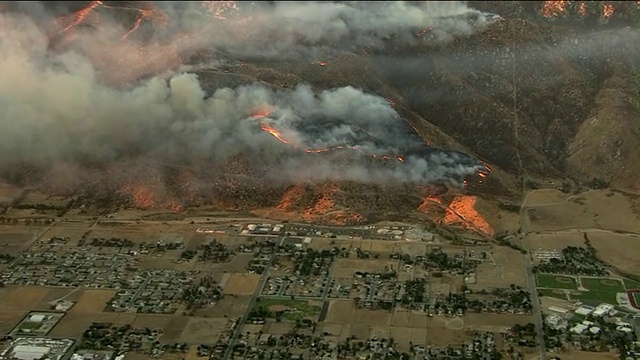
x=599, y=296
x=290, y=309
x=29, y=325
x=631, y=284
x=636, y=298
x=556, y=281
x=602, y=284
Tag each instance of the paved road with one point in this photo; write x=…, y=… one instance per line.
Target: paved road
x=238, y=330
x=531, y=281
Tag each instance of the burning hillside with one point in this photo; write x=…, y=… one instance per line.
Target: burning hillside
x=288, y=105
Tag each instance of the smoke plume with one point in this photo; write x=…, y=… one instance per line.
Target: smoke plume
x=62, y=113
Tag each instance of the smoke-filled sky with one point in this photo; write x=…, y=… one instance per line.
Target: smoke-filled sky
x=62, y=107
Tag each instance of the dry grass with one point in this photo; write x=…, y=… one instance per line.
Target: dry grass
x=174, y=328
x=92, y=301
x=553, y=241
x=494, y=322
x=600, y=209
x=618, y=250
x=74, y=324
x=344, y=311
x=230, y=306
x=585, y=355
x=23, y=297
x=242, y=284
x=438, y=334
x=545, y=196
x=152, y=321
x=345, y=268
x=10, y=318
x=203, y=330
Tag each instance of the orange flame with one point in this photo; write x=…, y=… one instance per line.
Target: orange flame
x=141, y=196
x=607, y=11
x=462, y=211
x=273, y=131
x=80, y=16
x=582, y=9
x=554, y=8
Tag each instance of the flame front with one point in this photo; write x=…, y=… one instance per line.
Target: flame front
x=607, y=11
x=462, y=211
x=554, y=8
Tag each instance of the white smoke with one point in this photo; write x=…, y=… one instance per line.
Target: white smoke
x=57, y=110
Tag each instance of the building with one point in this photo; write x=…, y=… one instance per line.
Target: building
x=584, y=310
x=602, y=309
x=556, y=322
x=37, y=318
x=29, y=352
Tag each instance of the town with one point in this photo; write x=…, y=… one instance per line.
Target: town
x=297, y=291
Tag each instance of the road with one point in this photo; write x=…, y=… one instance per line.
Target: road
x=531, y=281
x=238, y=329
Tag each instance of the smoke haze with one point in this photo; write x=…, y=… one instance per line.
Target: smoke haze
x=62, y=112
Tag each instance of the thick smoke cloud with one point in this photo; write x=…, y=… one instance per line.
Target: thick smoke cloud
x=58, y=111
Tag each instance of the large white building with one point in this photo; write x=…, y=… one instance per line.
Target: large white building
x=29, y=352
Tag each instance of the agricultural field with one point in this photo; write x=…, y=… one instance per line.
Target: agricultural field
x=556, y=281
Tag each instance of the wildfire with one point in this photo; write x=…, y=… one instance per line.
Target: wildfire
x=273, y=131
x=462, y=211
x=554, y=8
x=582, y=9
x=219, y=8
x=80, y=16
x=141, y=196
x=322, y=63
x=607, y=11
x=157, y=17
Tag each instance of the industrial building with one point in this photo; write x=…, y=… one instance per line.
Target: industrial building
x=30, y=352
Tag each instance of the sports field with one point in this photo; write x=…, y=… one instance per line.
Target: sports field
x=602, y=284
x=556, y=281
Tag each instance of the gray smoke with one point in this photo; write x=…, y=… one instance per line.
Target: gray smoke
x=57, y=110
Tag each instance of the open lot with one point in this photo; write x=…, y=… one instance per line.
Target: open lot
x=619, y=251
x=505, y=267
x=545, y=196
x=344, y=311
x=556, y=281
x=242, y=284
x=22, y=297
x=494, y=322
x=92, y=301
x=553, y=241
x=345, y=268
x=230, y=306
x=203, y=330
x=72, y=325
x=598, y=209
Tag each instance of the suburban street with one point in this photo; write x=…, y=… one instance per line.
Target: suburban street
x=238, y=329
